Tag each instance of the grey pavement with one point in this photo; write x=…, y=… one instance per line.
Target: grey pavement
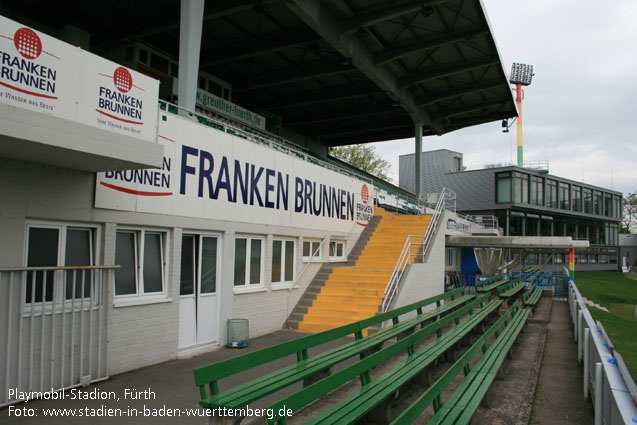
x=559, y=396
x=170, y=385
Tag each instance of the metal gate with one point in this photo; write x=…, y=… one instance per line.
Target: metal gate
x=55, y=328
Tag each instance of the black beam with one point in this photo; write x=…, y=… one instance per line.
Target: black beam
x=473, y=88
x=444, y=71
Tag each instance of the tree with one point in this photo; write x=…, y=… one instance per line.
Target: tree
x=363, y=157
x=629, y=221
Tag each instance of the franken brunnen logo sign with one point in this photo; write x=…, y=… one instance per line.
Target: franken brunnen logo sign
x=208, y=173
x=29, y=73
x=45, y=75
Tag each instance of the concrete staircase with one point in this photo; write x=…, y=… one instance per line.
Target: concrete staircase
x=354, y=290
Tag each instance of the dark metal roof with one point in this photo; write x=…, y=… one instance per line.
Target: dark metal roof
x=347, y=71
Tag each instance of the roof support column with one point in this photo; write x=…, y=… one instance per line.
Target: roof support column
x=190, y=26
x=418, y=168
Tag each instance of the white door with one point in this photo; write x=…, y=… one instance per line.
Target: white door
x=198, y=310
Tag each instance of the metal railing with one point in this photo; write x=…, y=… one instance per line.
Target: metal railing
x=606, y=377
x=540, y=165
x=55, y=328
x=423, y=247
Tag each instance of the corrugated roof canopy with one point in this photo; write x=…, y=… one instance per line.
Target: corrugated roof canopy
x=347, y=71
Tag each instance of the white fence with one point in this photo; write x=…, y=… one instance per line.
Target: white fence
x=53, y=328
x=605, y=375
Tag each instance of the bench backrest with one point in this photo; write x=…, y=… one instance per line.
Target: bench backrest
x=211, y=373
x=433, y=392
x=488, y=281
x=361, y=367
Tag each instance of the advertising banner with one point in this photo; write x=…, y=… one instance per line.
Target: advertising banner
x=210, y=174
x=43, y=74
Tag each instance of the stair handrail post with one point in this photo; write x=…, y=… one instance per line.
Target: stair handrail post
x=392, y=284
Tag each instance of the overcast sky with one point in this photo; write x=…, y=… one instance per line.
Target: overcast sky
x=580, y=111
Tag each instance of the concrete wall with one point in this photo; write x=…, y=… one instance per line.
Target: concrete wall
x=147, y=333
x=424, y=280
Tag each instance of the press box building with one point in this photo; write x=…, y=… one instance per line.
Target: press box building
x=528, y=201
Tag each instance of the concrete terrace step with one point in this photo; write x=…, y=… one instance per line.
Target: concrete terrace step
x=348, y=298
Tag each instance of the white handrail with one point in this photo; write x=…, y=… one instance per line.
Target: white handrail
x=405, y=255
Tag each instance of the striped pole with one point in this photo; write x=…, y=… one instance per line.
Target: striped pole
x=518, y=100
x=571, y=263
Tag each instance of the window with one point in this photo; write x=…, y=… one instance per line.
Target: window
x=198, y=265
x=451, y=258
x=551, y=193
x=608, y=205
x=248, y=261
x=141, y=257
x=564, y=196
x=597, y=202
x=311, y=249
x=588, y=201
x=537, y=190
x=283, y=260
x=337, y=249
x=617, y=206
x=503, y=187
x=53, y=245
x=521, y=188
x=576, y=198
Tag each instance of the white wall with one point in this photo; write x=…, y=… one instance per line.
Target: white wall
x=142, y=335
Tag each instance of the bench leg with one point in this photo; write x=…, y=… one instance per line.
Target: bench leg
x=316, y=377
x=451, y=355
x=405, y=334
x=424, y=378
x=371, y=351
x=381, y=414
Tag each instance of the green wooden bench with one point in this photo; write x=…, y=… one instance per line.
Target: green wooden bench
x=511, y=289
x=491, y=284
x=462, y=404
x=531, y=297
x=309, y=367
x=375, y=395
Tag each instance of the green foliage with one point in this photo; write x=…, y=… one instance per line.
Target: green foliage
x=363, y=157
x=629, y=221
x=618, y=293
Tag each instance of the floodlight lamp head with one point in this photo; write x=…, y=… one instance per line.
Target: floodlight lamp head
x=521, y=74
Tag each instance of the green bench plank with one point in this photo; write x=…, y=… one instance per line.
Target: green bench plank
x=510, y=289
x=373, y=393
x=531, y=297
x=491, y=284
x=462, y=407
x=305, y=366
x=433, y=394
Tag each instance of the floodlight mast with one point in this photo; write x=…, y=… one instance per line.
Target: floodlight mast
x=521, y=75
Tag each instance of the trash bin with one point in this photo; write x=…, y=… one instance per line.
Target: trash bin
x=238, y=333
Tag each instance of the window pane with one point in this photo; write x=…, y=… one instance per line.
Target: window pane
x=316, y=252
x=78, y=253
x=504, y=189
x=125, y=258
x=306, y=248
x=152, y=263
x=332, y=249
x=43, y=251
x=276, y=261
x=240, y=261
x=289, y=261
x=209, y=265
x=339, y=249
x=255, y=261
x=187, y=280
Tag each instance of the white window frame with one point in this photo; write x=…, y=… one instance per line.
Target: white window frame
x=451, y=259
x=141, y=297
x=59, y=295
x=247, y=286
x=335, y=243
x=314, y=256
x=283, y=282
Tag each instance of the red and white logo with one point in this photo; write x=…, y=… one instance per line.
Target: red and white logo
x=123, y=80
x=365, y=194
x=27, y=43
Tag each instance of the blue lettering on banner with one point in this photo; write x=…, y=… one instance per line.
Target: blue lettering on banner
x=27, y=72
x=245, y=183
x=123, y=104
